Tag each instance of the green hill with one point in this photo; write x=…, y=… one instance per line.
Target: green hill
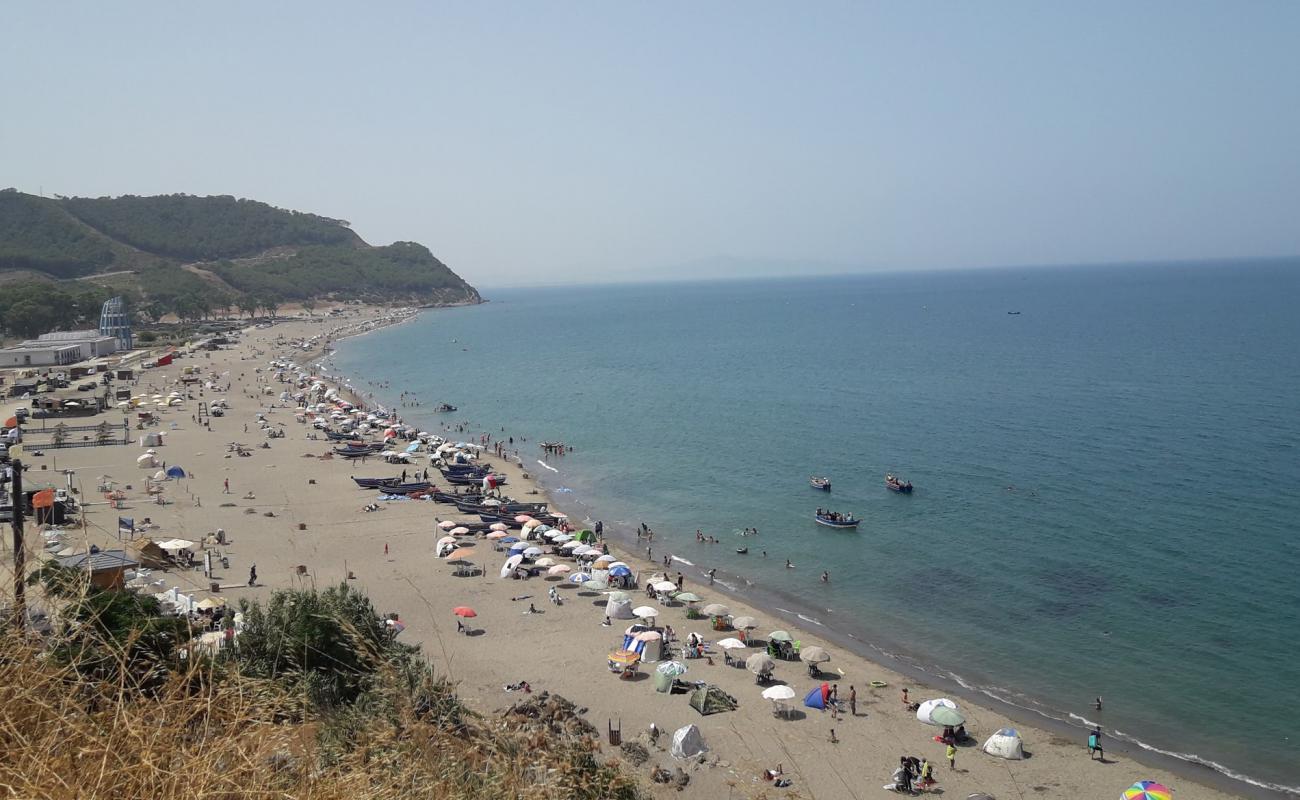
x=194, y=255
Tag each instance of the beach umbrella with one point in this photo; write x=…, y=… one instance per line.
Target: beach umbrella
x=687, y=597
x=646, y=612
x=532, y=523
x=499, y=526
x=532, y=552
x=663, y=586
x=446, y=524
x=608, y=559
x=715, y=610
x=522, y=518
x=210, y=602
x=464, y=611
x=623, y=658
x=558, y=515
x=594, y=585
x=649, y=636
x=814, y=655
x=579, y=578
x=671, y=668
x=940, y=712
x=620, y=572
x=445, y=540
x=780, y=636
x=563, y=538
x=618, y=564
x=460, y=552
x=545, y=562
x=559, y=569
x=760, y=663
x=571, y=546
x=510, y=540
x=744, y=623
x=496, y=535
x=511, y=564
x=778, y=693
x=460, y=531
x=731, y=644
x=1147, y=790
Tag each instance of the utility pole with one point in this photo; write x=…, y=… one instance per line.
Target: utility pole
x=20, y=599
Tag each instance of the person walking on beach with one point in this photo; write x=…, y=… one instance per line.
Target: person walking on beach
x=1094, y=745
x=853, y=701
x=227, y=491
x=681, y=582
x=952, y=756
x=252, y=575
x=712, y=572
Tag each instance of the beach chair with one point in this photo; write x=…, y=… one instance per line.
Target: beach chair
x=615, y=734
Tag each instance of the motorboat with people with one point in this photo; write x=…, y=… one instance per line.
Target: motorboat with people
x=834, y=519
x=445, y=408
x=896, y=484
x=820, y=483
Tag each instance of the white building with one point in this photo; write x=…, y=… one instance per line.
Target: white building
x=58, y=349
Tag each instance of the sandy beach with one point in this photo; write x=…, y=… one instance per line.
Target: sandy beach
x=288, y=507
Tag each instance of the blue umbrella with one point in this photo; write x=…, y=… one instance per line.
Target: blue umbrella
x=579, y=578
x=620, y=572
x=510, y=540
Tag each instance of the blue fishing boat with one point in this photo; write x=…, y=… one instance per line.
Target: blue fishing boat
x=820, y=483
x=834, y=519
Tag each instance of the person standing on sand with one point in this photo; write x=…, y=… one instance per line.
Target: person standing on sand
x=681, y=582
x=227, y=491
x=252, y=575
x=952, y=756
x=853, y=701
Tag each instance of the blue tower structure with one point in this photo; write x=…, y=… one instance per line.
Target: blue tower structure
x=116, y=322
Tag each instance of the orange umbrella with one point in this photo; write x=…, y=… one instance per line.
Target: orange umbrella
x=460, y=552
x=12, y=422
x=43, y=499
x=464, y=611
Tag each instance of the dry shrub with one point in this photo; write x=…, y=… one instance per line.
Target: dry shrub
x=210, y=733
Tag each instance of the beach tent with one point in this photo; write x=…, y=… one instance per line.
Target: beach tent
x=619, y=609
x=175, y=471
x=149, y=554
x=1005, y=743
x=817, y=697
x=941, y=712
x=688, y=743
x=711, y=700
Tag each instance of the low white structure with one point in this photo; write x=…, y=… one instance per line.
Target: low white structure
x=58, y=349
x=1006, y=743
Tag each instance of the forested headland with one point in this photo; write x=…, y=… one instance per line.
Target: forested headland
x=195, y=257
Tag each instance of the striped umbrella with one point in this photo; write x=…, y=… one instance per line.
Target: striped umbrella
x=1147, y=790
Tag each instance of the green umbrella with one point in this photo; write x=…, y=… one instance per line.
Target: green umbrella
x=673, y=668
x=946, y=716
x=594, y=585
x=780, y=636
x=686, y=597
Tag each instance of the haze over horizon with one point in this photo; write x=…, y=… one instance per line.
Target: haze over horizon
x=582, y=142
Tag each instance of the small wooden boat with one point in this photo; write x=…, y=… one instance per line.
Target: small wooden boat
x=820, y=483
x=404, y=488
x=895, y=484
x=742, y=550
x=833, y=520
x=375, y=483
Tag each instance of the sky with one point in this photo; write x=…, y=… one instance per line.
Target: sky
x=530, y=142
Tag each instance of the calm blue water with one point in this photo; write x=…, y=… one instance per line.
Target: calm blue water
x=1108, y=484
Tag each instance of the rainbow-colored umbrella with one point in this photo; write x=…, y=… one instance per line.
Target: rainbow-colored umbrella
x=1147, y=790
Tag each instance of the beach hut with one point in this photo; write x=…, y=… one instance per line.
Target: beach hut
x=688, y=743
x=1006, y=743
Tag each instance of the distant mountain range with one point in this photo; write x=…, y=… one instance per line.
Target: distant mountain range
x=172, y=252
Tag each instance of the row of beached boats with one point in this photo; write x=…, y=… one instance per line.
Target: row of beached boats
x=834, y=519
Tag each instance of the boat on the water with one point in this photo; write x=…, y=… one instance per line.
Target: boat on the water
x=834, y=519
x=820, y=483
x=445, y=408
x=742, y=550
x=896, y=484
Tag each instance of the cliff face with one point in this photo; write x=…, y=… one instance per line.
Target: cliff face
x=241, y=248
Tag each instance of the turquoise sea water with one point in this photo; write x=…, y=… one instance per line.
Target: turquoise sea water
x=1108, y=484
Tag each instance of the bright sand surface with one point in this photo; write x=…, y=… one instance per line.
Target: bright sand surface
x=318, y=523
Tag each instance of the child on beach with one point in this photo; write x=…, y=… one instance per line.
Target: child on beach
x=952, y=756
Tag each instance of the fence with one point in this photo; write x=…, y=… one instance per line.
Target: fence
x=62, y=436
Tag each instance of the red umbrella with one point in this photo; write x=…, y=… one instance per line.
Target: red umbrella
x=464, y=611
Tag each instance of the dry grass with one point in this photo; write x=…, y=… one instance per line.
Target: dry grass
x=209, y=733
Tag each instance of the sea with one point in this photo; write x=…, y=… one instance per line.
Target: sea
x=1106, y=464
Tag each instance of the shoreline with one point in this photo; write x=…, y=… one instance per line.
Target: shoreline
x=903, y=665
x=301, y=510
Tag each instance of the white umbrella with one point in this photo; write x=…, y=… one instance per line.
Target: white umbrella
x=499, y=526
x=545, y=562
x=571, y=545
x=533, y=551
x=510, y=564
x=744, y=623
x=664, y=586
x=446, y=525
x=646, y=611
x=559, y=569
x=584, y=550
x=814, y=655
x=461, y=531
x=778, y=693
x=732, y=644
x=715, y=610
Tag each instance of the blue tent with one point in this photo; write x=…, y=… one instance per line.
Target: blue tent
x=413, y=447
x=175, y=471
x=817, y=697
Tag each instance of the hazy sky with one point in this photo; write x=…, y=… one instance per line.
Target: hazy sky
x=550, y=141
